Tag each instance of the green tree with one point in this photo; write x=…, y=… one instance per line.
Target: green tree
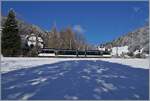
x=11, y=40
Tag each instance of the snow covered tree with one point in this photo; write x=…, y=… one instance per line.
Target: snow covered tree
x=11, y=40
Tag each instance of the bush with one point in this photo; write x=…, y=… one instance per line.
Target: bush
x=33, y=52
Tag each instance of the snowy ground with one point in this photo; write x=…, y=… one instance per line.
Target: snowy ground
x=10, y=64
x=72, y=79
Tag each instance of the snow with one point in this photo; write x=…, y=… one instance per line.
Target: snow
x=70, y=97
x=86, y=78
x=138, y=51
x=15, y=63
x=136, y=63
x=37, y=81
x=25, y=97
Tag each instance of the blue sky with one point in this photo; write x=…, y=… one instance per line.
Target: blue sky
x=99, y=21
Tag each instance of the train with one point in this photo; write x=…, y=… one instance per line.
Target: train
x=48, y=52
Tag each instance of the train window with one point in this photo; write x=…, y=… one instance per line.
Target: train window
x=47, y=51
x=69, y=52
x=66, y=52
x=81, y=52
x=106, y=52
x=93, y=53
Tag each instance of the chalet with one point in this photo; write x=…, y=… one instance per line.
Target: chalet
x=33, y=40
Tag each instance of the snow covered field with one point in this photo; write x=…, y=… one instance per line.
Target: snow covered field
x=72, y=79
x=10, y=63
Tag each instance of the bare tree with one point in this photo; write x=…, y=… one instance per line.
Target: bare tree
x=66, y=39
x=80, y=41
x=53, y=38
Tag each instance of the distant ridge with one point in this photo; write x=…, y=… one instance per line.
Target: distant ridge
x=135, y=40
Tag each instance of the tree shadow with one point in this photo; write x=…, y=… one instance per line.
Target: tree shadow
x=81, y=79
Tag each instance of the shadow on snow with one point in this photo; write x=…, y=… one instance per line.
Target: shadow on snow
x=80, y=79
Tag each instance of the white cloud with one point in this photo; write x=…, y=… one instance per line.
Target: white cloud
x=136, y=9
x=78, y=28
x=147, y=20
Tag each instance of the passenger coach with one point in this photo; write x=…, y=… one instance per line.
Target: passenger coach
x=47, y=52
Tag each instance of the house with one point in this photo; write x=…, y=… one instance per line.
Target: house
x=101, y=48
x=118, y=51
x=33, y=40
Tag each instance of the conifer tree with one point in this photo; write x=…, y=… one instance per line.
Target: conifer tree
x=11, y=41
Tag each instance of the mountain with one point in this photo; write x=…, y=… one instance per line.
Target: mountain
x=23, y=26
x=135, y=40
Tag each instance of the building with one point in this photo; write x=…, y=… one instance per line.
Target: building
x=118, y=51
x=100, y=48
x=33, y=40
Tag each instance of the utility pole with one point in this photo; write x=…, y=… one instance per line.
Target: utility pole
x=77, y=52
x=0, y=51
x=85, y=50
x=0, y=38
x=117, y=51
